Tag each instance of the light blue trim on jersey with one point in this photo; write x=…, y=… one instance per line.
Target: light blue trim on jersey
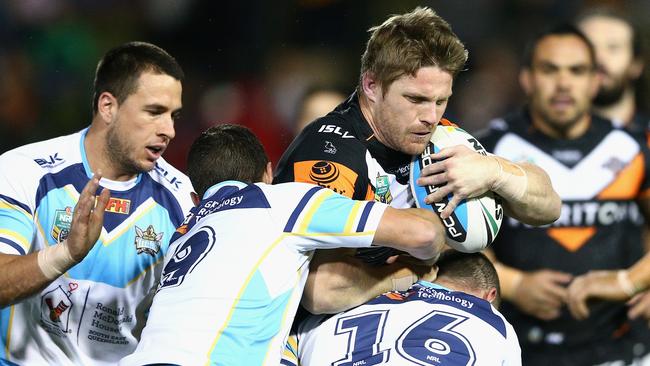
x=5, y=314
x=331, y=215
x=425, y=283
x=82, y=150
x=18, y=228
x=212, y=190
x=84, y=158
x=114, y=259
x=117, y=264
x=253, y=325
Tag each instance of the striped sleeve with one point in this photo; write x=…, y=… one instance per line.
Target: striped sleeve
x=16, y=226
x=330, y=220
x=290, y=353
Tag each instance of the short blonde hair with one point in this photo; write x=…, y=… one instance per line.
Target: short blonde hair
x=405, y=43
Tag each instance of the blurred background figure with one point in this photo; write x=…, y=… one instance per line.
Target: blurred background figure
x=315, y=103
x=620, y=64
x=597, y=170
x=250, y=62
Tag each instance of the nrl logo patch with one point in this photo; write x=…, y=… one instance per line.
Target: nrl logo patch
x=61, y=225
x=147, y=241
x=382, y=193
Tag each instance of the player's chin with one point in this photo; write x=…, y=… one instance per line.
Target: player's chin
x=146, y=165
x=415, y=146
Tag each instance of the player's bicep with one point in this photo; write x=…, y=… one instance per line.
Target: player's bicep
x=330, y=220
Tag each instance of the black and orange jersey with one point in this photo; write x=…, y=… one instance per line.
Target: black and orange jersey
x=599, y=177
x=339, y=151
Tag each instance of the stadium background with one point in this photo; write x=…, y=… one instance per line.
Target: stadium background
x=250, y=62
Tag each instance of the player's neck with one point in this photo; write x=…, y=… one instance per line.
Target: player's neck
x=98, y=159
x=621, y=112
x=569, y=132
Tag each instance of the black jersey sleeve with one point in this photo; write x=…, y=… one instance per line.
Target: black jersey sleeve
x=328, y=154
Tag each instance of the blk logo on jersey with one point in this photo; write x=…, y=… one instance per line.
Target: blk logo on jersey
x=147, y=241
x=168, y=176
x=49, y=162
x=118, y=205
x=61, y=224
x=188, y=255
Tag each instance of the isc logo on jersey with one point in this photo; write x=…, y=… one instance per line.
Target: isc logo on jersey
x=475, y=222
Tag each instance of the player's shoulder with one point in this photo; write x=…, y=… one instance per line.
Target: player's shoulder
x=497, y=128
x=289, y=191
x=336, y=127
x=172, y=179
x=43, y=157
x=608, y=132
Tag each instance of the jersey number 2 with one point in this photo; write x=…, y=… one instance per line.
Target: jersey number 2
x=186, y=257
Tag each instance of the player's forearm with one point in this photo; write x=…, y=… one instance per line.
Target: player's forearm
x=416, y=231
x=537, y=203
x=20, y=277
x=338, y=282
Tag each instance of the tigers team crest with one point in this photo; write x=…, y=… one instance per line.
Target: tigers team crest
x=147, y=241
x=61, y=224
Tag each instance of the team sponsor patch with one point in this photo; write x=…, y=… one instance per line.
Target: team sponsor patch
x=147, y=241
x=61, y=224
x=335, y=130
x=328, y=174
x=55, y=309
x=382, y=192
x=118, y=205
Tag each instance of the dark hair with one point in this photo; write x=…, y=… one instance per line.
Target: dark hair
x=609, y=12
x=469, y=270
x=225, y=152
x=118, y=71
x=564, y=29
x=405, y=43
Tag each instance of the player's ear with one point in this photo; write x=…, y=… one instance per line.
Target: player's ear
x=268, y=174
x=107, y=106
x=195, y=198
x=370, y=86
x=636, y=68
x=491, y=294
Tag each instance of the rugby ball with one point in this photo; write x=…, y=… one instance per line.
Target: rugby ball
x=476, y=221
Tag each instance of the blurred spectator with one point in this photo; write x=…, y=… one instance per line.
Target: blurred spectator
x=269, y=52
x=620, y=65
x=597, y=170
x=315, y=103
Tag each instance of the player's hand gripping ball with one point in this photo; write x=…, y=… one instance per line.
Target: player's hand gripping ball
x=476, y=221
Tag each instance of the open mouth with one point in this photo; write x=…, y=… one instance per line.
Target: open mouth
x=562, y=102
x=156, y=151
